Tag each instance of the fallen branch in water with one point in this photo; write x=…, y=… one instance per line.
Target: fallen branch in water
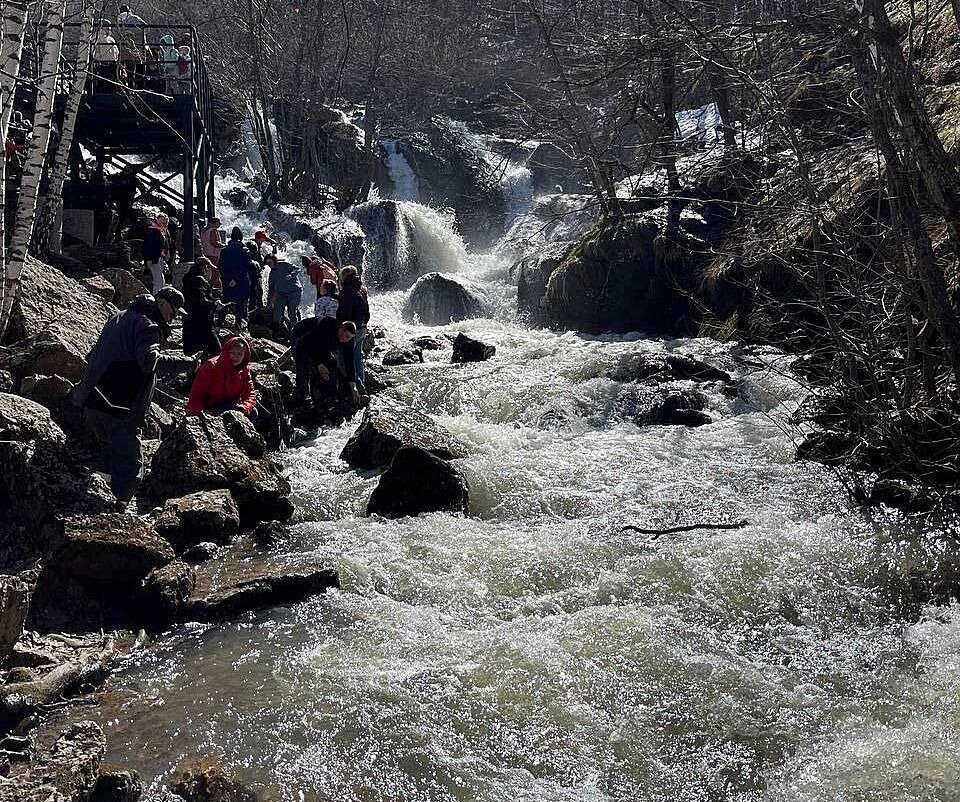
x=674, y=529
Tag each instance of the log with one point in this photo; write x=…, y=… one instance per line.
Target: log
x=688, y=528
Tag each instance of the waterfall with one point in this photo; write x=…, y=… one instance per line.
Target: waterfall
x=406, y=187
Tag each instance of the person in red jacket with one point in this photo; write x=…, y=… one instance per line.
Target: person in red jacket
x=223, y=383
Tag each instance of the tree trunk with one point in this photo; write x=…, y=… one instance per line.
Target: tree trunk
x=50, y=215
x=36, y=156
x=934, y=284
x=721, y=96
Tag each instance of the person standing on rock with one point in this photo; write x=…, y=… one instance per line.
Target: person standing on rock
x=224, y=383
x=354, y=307
x=121, y=375
x=285, y=291
x=156, y=249
x=235, y=270
x=256, y=277
x=199, y=331
x=210, y=241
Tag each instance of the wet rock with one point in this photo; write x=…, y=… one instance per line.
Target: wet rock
x=665, y=368
x=532, y=274
x=900, y=495
x=107, y=555
x=267, y=534
x=200, y=455
x=437, y=299
x=341, y=243
x=390, y=263
x=15, y=594
x=664, y=407
x=201, y=552
x=166, y=590
x=126, y=286
x=115, y=784
x=210, y=783
x=99, y=286
x=418, y=482
x=209, y=516
x=428, y=343
x=466, y=349
x=409, y=355
x=265, y=585
x=64, y=772
x=244, y=434
x=237, y=197
x=828, y=447
x=387, y=427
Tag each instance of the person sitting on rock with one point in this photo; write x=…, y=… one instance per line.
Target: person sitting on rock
x=235, y=270
x=199, y=331
x=317, y=342
x=327, y=304
x=224, y=383
x=121, y=375
x=285, y=291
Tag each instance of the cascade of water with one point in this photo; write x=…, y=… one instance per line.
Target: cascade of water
x=406, y=186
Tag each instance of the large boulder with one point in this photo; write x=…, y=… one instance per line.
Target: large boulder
x=199, y=454
x=467, y=349
x=126, y=286
x=99, y=286
x=342, y=243
x=210, y=516
x=402, y=355
x=387, y=427
x=390, y=256
x=664, y=368
x=66, y=771
x=664, y=406
x=53, y=351
x=437, y=299
x=418, y=482
x=49, y=297
x=40, y=477
x=532, y=274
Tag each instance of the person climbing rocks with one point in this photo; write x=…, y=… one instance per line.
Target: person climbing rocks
x=317, y=344
x=235, y=270
x=211, y=241
x=354, y=307
x=224, y=383
x=327, y=303
x=156, y=249
x=199, y=330
x=121, y=375
x=320, y=270
x=285, y=291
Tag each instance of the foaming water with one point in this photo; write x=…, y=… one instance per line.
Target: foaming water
x=536, y=651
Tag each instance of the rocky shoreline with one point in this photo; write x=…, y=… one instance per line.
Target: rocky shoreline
x=84, y=587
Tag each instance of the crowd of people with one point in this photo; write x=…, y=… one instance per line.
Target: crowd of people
x=123, y=57
x=219, y=291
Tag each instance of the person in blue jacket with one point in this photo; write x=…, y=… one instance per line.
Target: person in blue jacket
x=235, y=269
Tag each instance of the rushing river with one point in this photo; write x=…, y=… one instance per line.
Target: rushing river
x=533, y=650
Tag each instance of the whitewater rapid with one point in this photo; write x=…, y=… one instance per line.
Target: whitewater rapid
x=534, y=650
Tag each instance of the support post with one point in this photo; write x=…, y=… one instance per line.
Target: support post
x=189, y=171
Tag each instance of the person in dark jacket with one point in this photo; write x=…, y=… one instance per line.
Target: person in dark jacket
x=353, y=306
x=156, y=249
x=199, y=329
x=235, y=270
x=317, y=344
x=256, y=276
x=121, y=375
x=285, y=290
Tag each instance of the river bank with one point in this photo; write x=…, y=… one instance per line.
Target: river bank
x=532, y=648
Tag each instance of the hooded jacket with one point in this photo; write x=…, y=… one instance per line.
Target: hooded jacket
x=219, y=382
x=354, y=305
x=170, y=56
x=285, y=278
x=122, y=365
x=234, y=265
x=321, y=270
x=201, y=308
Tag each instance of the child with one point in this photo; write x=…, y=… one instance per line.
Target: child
x=326, y=304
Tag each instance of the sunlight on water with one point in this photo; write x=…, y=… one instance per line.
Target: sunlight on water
x=535, y=651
